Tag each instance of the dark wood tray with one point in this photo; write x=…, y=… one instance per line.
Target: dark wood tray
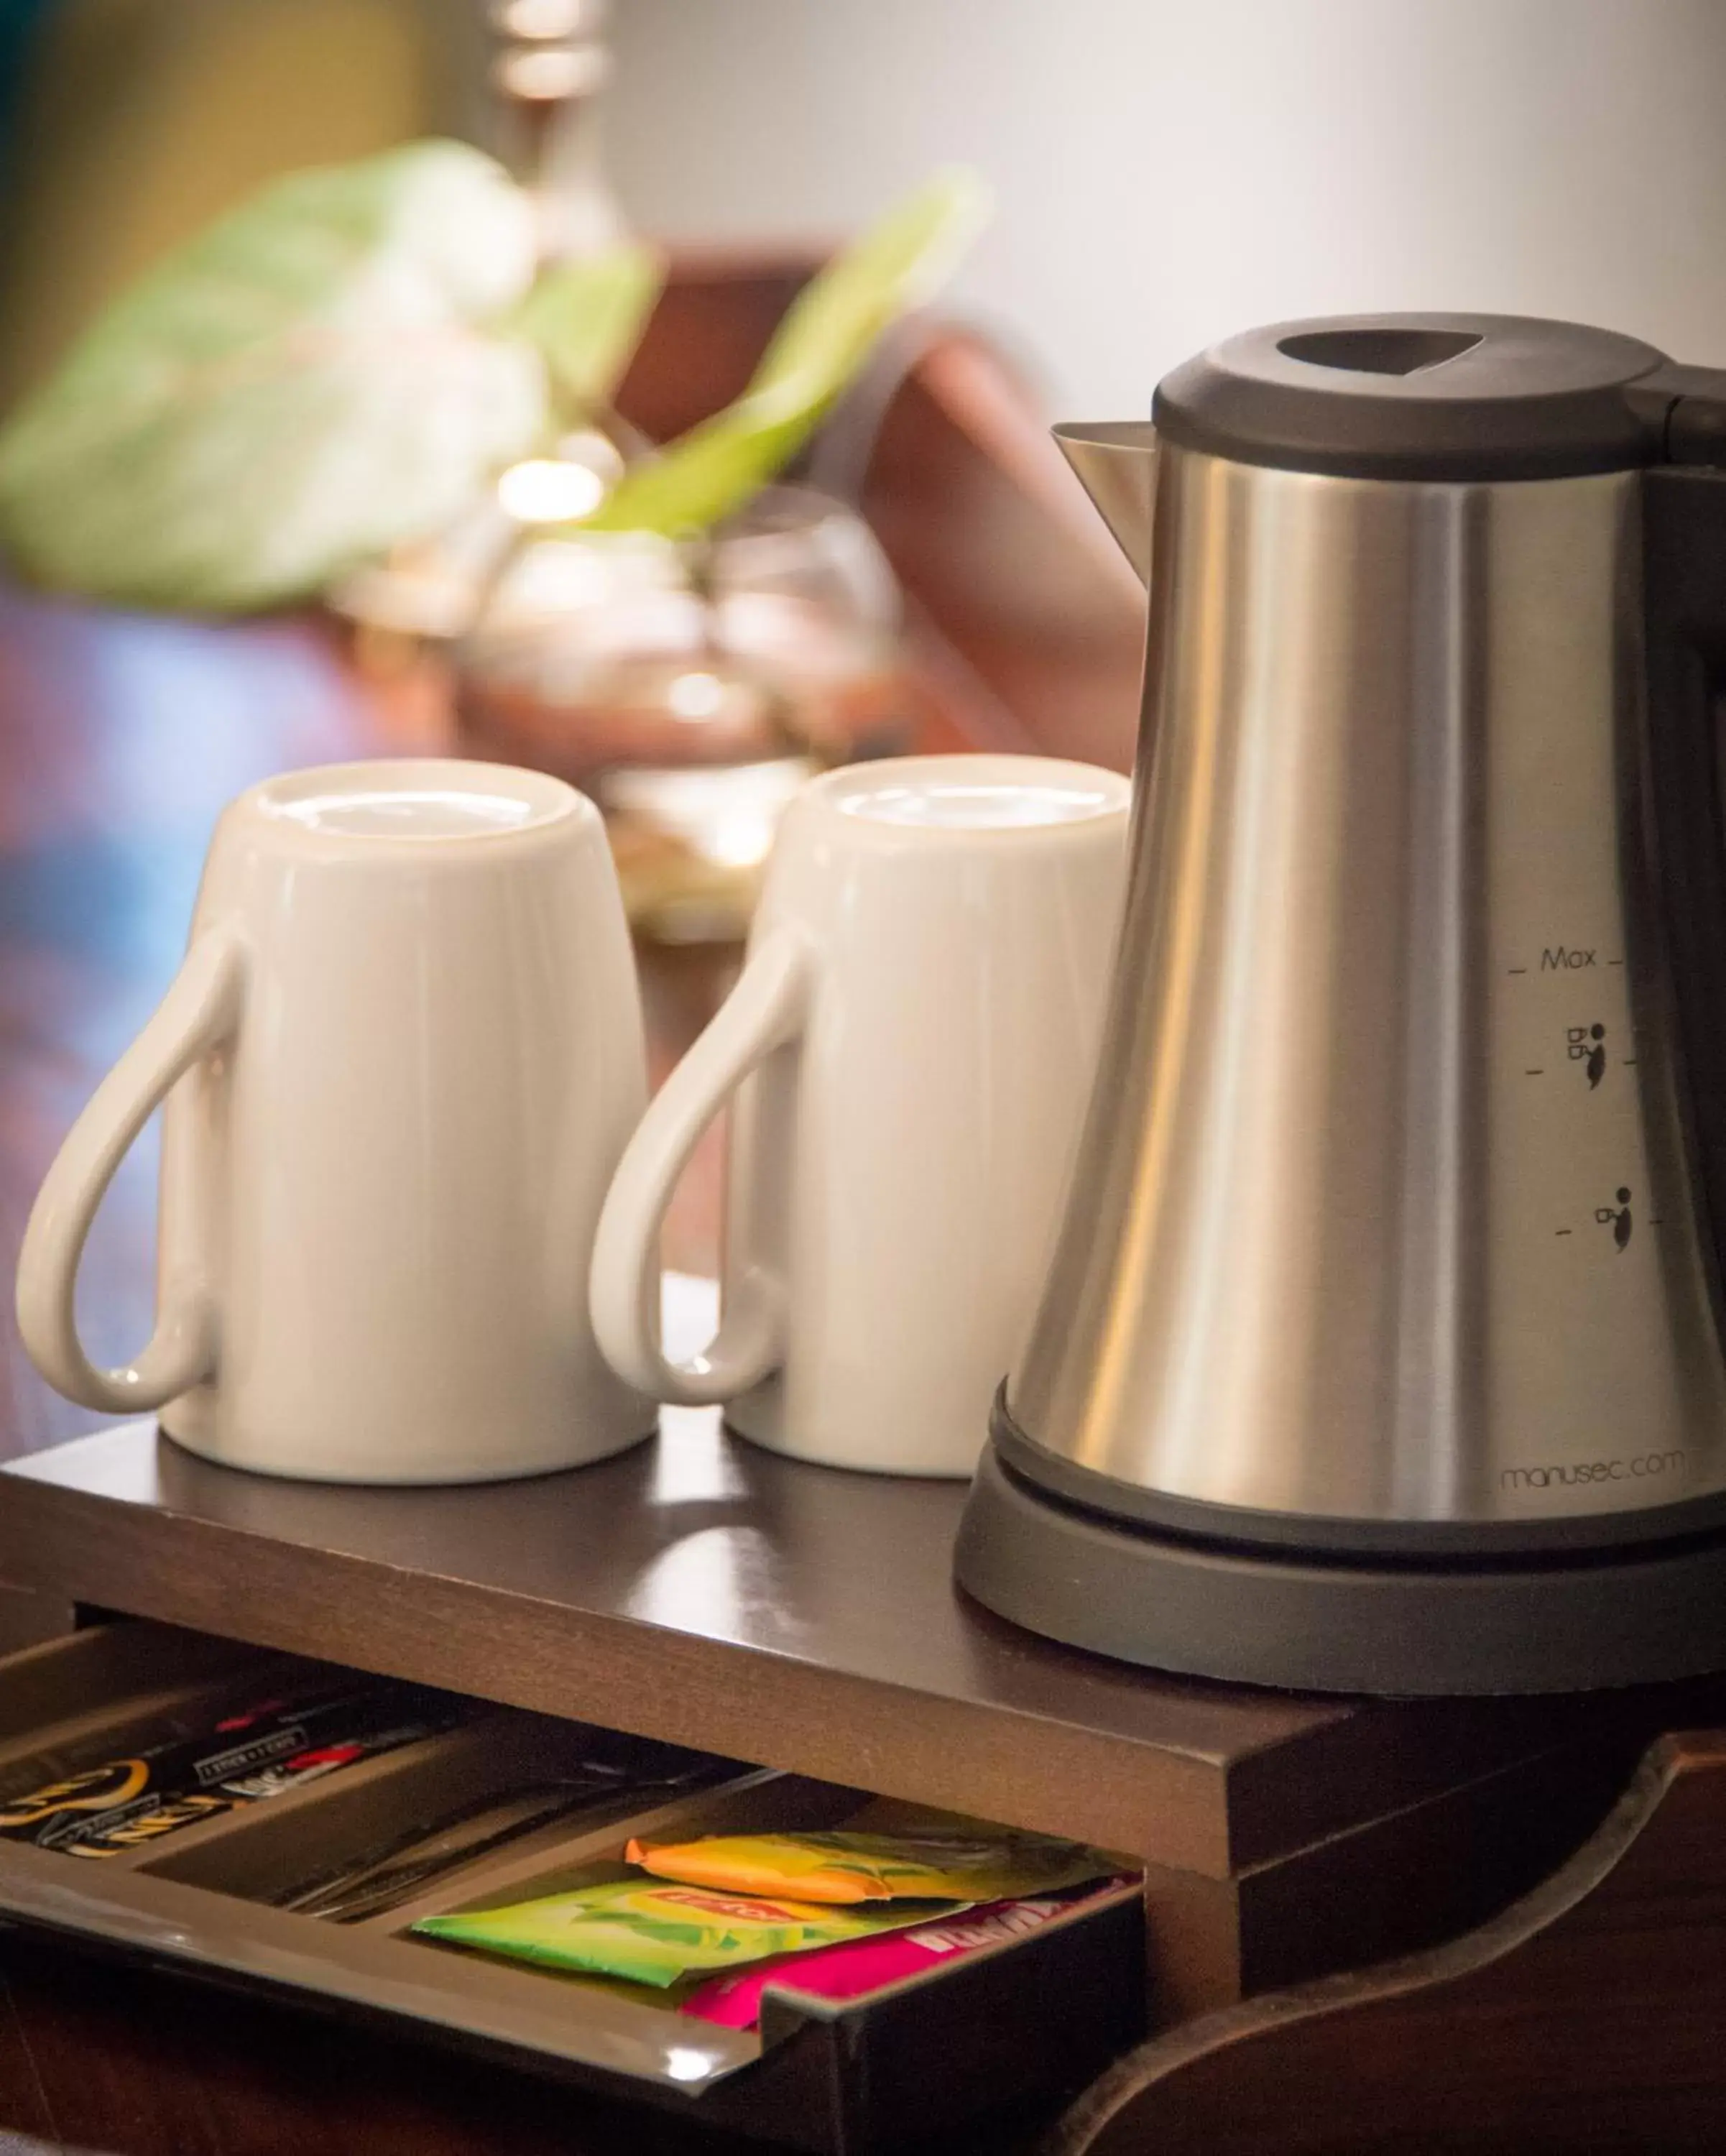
x=701, y=1590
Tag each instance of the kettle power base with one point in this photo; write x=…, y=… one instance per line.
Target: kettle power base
x=1557, y=1622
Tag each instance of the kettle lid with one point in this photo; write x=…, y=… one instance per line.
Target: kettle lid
x=1446, y=398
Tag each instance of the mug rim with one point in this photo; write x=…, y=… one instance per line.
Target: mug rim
x=281, y=803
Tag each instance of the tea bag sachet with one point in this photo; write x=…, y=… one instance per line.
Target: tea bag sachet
x=933, y=1856
x=655, y=1932
x=856, y=1967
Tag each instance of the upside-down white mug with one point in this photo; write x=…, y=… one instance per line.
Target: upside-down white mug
x=399, y=1063
x=911, y=1046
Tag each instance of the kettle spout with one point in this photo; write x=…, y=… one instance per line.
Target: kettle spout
x=1117, y=467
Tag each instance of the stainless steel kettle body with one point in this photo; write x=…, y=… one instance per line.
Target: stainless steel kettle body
x=1382, y=1213
x=1388, y=1257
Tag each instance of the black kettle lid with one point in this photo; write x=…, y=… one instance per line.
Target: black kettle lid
x=1446, y=398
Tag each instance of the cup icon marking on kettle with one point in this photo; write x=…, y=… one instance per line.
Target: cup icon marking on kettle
x=1587, y=1045
x=1618, y=1218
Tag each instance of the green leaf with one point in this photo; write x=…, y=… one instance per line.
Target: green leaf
x=587, y=316
x=829, y=332
x=308, y=382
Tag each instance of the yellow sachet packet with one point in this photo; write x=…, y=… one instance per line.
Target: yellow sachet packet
x=943, y=1859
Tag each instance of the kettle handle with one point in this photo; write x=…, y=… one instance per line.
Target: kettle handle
x=1684, y=609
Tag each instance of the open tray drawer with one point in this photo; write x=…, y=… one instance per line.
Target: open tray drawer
x=1003, y=2025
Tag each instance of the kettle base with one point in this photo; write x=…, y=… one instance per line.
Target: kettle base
x=1636, y=1614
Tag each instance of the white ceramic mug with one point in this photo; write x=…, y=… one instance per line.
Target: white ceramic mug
x=400, y=1063
x=911, y=1043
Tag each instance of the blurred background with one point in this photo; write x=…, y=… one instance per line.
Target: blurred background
x=909, y=565
x=1165, y=173
x=1168, y=174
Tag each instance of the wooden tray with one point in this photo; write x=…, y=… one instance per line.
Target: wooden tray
x=702, y=1591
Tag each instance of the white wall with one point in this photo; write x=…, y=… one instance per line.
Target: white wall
x=1169, y=170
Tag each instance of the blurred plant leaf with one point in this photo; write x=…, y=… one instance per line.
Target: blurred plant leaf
x=587, y=316
x=830, y=331
x=310, y=382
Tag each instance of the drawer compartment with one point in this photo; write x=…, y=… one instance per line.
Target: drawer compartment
x=76, y=1702
x=499, y=1805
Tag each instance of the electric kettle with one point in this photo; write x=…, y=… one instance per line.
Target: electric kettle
x=1381, y=1347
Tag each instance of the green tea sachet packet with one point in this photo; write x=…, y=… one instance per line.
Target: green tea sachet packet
x=655, y=1932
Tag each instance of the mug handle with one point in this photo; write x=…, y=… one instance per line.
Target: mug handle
x=763, y=1012
x=195, y=1015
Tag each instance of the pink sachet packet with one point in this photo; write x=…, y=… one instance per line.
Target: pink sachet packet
x=857, y=1966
